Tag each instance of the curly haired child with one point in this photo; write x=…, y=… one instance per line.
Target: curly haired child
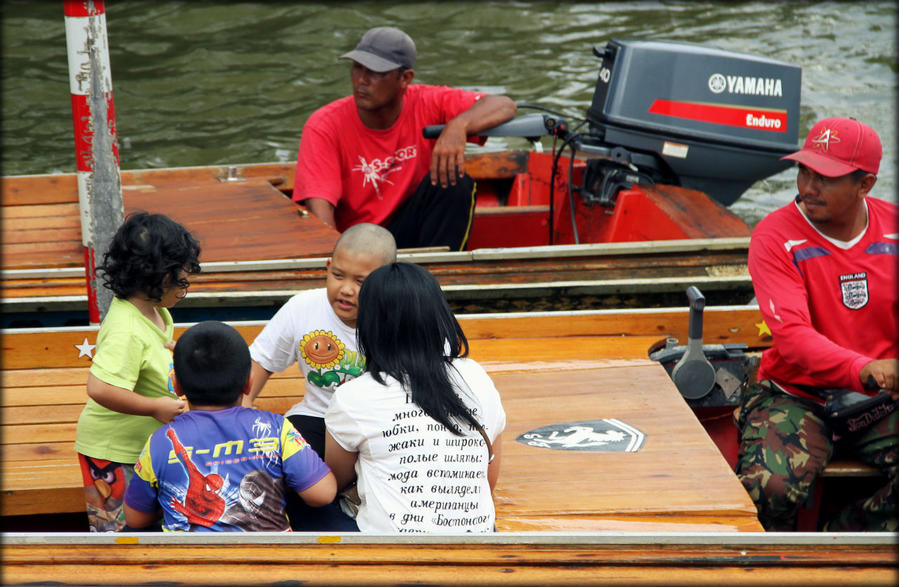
x=129, y=387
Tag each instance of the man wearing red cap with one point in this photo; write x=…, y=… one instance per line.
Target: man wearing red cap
x=363, y=158
x=824, y=269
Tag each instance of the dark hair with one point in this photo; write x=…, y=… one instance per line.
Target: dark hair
x=858, y=174
x=145, y=250
x=212, y=364
x=406, y=329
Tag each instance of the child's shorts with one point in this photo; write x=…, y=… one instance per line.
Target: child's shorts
x=104, y=492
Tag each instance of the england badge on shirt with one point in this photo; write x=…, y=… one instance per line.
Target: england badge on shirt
x=855, y=290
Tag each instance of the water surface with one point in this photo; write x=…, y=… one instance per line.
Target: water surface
x=200, y=83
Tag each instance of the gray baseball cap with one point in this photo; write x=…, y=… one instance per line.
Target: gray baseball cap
x=384, y=48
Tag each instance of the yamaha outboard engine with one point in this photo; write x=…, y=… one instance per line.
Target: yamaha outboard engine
x=685, y=114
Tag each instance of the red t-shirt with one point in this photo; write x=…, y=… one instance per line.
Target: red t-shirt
x=830, y=310
x=367, y=173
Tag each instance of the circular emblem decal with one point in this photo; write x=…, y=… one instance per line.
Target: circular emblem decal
x=607, y=435
x=717, y=83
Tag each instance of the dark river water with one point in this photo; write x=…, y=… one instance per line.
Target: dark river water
x=199, y=82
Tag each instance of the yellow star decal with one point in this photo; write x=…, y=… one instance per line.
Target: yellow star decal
x=763, y=329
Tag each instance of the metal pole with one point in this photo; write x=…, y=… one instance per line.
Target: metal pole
x=96, y=148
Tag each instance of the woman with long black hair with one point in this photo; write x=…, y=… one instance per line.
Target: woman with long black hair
x=420, y=431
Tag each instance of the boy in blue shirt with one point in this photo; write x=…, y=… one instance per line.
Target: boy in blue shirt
x=220, y=466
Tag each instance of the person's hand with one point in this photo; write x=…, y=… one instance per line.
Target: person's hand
x=448, y=157
x=885, y=372
x=167, y=408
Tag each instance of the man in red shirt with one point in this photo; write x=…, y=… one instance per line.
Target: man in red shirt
x=824, y=270
x=363, y=158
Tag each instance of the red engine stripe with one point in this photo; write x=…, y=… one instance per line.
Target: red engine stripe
x=741, y=116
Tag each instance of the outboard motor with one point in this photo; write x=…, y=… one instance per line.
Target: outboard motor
x=688, y=115
x=711, y=375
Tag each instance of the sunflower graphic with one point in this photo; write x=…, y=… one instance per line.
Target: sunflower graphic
x=321, y=350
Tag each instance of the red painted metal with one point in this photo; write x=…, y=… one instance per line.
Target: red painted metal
x=86, y=31
x=642, y=213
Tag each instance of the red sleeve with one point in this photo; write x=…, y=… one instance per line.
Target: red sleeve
x=782, y=296
x=318, y=173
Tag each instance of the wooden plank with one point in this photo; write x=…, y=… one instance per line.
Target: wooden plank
x=703, y=218
x=46, y=414
x=605, y=489
x=505, y=165
x=610, y=485
x=37, y=451
x=55, y=348
x=63, y=187
x=734, y=324
x=12, y=223
x=37, y=377
x=619, y=559
x=561, y=349
x=35, y=190
x=232, y=220
x=26, y=433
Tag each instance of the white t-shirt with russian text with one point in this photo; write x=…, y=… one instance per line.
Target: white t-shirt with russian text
x=413, y=474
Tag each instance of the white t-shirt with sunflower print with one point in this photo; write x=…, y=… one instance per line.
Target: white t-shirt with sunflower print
x=306, y=331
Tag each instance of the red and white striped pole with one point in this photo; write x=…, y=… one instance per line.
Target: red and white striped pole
x=96, y=147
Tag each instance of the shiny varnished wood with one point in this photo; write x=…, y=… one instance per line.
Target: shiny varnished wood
x=502, y=559
x=233, y=221
x=620, y=273
x=240, y=213
x=549, y=368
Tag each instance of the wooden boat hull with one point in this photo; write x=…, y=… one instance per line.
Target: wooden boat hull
x=573, y=364
x=259, y=247
x=510, y=559
x=613, y=275
x=633, y=518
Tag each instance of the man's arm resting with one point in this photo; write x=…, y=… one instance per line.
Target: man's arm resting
x=448, y=158
x=487, y=112
x=321, y=209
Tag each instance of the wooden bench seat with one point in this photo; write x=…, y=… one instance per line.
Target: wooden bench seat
x=43, y=394
x=40, y=473
x=500, y=559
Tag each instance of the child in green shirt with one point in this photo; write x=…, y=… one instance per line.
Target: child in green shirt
x=129, y=385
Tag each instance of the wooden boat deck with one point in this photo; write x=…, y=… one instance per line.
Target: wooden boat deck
x=670, y=513
x=586, y=370
x=258, y=247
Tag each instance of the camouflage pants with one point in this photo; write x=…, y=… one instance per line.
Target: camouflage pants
x=784, y=447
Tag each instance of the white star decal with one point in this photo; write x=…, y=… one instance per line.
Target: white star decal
x=85, y=349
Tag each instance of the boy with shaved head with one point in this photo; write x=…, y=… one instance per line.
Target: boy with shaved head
x=316, y=329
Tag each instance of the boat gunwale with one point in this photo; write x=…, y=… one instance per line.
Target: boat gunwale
x=483, y=254
x=461, y=317
x=730, y=539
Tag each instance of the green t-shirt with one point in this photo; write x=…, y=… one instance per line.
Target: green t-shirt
x=131, y=354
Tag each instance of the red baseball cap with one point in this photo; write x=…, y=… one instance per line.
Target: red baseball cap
x=837, y=146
